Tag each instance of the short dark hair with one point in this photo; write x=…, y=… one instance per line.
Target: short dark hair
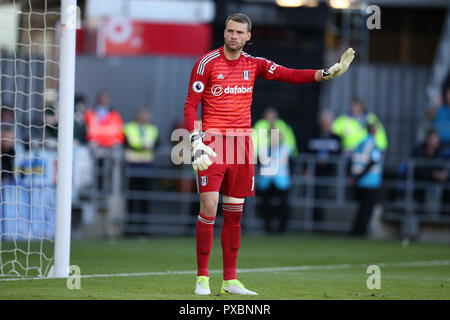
x=240, y=17
x=358, y=100
x=80, y=98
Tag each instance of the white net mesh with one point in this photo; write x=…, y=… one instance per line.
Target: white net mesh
x=28, y=81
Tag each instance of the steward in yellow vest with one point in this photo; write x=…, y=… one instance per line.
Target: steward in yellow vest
x=351, y=127
x=141, y=138
x=261, y=132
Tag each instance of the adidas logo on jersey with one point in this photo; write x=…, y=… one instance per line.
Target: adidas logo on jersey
x=220, y=76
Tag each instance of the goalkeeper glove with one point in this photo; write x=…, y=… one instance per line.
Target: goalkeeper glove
x=200, y=153
x=339, y=68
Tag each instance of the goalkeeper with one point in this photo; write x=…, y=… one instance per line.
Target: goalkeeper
x=222, y=80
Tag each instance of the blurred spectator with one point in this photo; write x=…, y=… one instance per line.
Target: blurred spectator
x=8, y=191
x=79, y=125
x=326, y=144
x=440, y=117
x=430, y=149
x=366, y=169
x=51, y=115
x=103, y=124
x=6, y=117
x=274, y=179
x=7, y=154
x=104, y=133
x=350, y=127
x=82, y=165
x=270, y=121
x=140, y=137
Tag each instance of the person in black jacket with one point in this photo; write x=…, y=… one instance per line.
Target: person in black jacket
x=7, y=155
x=324, y=145
x=430, y=149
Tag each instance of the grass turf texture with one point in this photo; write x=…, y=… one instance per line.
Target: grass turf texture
x=178, y=254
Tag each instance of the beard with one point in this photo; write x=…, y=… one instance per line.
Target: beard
x=235, y=48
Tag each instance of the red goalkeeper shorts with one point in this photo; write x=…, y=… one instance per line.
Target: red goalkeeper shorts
x=233, y=171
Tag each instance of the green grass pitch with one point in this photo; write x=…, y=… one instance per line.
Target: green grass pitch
x=336, y=269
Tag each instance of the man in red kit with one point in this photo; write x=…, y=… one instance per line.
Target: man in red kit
x=222, y=80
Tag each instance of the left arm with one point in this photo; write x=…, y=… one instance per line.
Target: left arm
x=271, y=71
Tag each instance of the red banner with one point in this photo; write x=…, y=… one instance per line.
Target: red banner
x=123, y=37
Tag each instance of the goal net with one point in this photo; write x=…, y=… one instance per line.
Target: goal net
x=29, y=83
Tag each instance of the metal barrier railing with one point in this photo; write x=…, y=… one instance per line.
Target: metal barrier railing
x=418, y=199
x=405, y=208
x=102, y=191
x=305, y=178
x=172, y=202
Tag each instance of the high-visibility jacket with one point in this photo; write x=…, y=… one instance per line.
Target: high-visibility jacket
x=352, y=131
x=105, y=133
x=363, y=155
x=141, y=140
x=261, y=135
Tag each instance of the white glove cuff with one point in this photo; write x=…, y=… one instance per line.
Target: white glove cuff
x=194, y=136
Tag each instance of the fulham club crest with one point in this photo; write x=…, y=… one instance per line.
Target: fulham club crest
x=246, y=74
x=203, y=180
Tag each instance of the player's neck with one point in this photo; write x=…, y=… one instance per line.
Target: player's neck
x=231, y=55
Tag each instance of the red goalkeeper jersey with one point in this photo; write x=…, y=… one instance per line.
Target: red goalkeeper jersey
x=225, y=89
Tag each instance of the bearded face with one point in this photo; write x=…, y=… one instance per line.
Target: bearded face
x=236, y=34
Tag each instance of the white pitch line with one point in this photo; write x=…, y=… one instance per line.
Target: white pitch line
x=412, y=264
x=408, y=278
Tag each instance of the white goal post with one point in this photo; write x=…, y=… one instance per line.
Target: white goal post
x=37, y=84
x=65, y=137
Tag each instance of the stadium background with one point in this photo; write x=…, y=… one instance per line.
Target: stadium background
x=397, y=72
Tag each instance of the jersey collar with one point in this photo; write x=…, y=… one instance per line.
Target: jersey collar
x=230, y=62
